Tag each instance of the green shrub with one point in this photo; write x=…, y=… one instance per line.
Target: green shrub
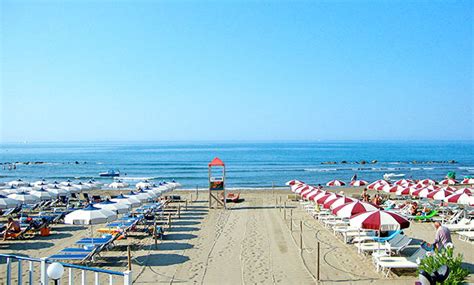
x=457, y=274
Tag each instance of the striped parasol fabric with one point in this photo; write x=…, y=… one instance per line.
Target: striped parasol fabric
x=306, y=191
x=324, y=198
x=358, y=183
x=321, y=194
x=449, y=188
x=426, y=182
x=297, y=188
x=467, y=181
x=377, y=183
x=448, y=182
x=464, y=190
x=353, y=208
x=338, y=202
x=393, y=189
x=335, y=183
x=433, y=187
x=439, y=194
x=379, y=220
x=403, y=192
x=461, y=198
x=294, y=182
x=422, y=193
x=403, y=182
x=312, y=194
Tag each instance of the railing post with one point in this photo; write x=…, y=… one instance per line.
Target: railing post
x=30, y=273
x=127, y=277
x=111, y=279
x=96, y=278
x=20, y=279
x=44, y=276
x=83, y=278
x=8, y=273
x=71, y=277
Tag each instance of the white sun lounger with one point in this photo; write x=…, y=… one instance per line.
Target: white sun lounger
x=463, y=225
x=466, y=235
x=396, y=244
x=386, y=263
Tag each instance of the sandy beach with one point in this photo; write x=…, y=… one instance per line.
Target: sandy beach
x=250, y=243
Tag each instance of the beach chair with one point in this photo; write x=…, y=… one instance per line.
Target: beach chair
x=376, y=238
x=387, y=263
x=81, y=255
x=464, y=224
x=396, y=244
x=466, y=235
x=428, y=217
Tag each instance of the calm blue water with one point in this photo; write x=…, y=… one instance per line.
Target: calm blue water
x=248, y=164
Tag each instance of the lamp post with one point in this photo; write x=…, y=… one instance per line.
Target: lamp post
x=55, y=272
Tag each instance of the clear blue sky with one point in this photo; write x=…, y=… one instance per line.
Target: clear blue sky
x=236, y=70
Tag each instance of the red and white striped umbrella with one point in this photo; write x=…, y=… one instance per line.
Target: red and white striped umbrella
x=462, y=198
x=467, y=181
x=357, y=183
x=377, y=183
x=420, y=186
x=464, y=190
x=335, y=183
x=393, y=189
x=433, y=187
x=423, y=193
x=306, y=191
x=380, y=187
x=449, y=188
x=403, y=182
x=439, y=194
x=339, y=202
x=448, y=182
x=404, y=191
x=294, y=182
x=353, y=208
x=321, y=194
x=299, y=188
x=427, y=182
x=379, y=220
x=325, y=198
x=312, y=194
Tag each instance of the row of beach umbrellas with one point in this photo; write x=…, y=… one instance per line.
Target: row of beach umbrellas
x=426, y=182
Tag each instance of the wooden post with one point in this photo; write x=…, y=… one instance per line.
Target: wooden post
x=284, y=212
x=179, y=211
x=186, y=205
x=169, y=220
x=291, y=220
x=301, y=237
x=191, y=197
x=197, y=193
x=318, y=263
x=129, y=258
x=154, y=233
x=276, y=202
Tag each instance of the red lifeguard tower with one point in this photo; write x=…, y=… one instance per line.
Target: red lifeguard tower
x=217, y=193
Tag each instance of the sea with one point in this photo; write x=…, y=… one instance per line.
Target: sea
x=248, y=164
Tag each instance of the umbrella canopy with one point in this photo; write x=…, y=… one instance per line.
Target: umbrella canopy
x=460, y=198
x=119, y=208
x=90, y=215
x=17, y=183
x=6, y=202
x=353, y=208
x=301, y=188
x=448, y=182
x=402, y=182
x=93, y=185
x=24, y=197
x=70, y=188
x=377, y=183
x=57, y=191
x=338, y=202
x=54, y=183
x=81, y=186
x=133, y=202
x=379, y=220
x=404, y=191
x=426, y=182
x=449, y=188
x=11, y=190
x=327, y=197
x=143, y=184
x=146, y=195
x=467, y=181
x=335, y=183
x=393, y=189
x=422, y=193
x=293, y=182
x=439, y=194
x=40, y=184
x=133, y=195
x=433, y=187
x=464, y=190
x=65, y=183
x=118, y=184
x=306, y=191
x=42, y=194
x=357, y=183
x=312, y=194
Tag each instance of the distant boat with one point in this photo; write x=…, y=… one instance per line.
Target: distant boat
x=389, y=176
x=110, y=173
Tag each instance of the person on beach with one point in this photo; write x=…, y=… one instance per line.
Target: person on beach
x=365, y=196
x=13, y=227
x=443, y=236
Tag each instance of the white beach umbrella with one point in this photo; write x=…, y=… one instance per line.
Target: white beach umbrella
x=42, y=194
x=133, y=202
x=11, y=190
x=40, y=185
x=90, y=215
x=133, y=195
x=24, y=197
x=70, y=188
x=6, y=202
x=66, y=183
x=119, y=208
x=81, y=186
x=41, y=182
x=147, y=193
x=118, y=185
x=57, y=191
x=143, y=184
x=93, y=185
x=17, y=183
x=54, y=183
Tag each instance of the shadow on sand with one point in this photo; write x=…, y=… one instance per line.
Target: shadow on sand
x=179, y=236
x=185, y=223
x=20, y=245
x=161, y=259
x=182, y=229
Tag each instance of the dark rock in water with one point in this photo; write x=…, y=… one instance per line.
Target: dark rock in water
x=452, y=161
x=363, y=162
x=329, y=162
x=343, y=162
x=77, y=162
x=374, y=161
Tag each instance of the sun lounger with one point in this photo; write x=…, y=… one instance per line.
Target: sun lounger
x=386, y=263
x=396, y=244
x=77, y=256
x=463, y=225
x=466, y=235
x=376, y=238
